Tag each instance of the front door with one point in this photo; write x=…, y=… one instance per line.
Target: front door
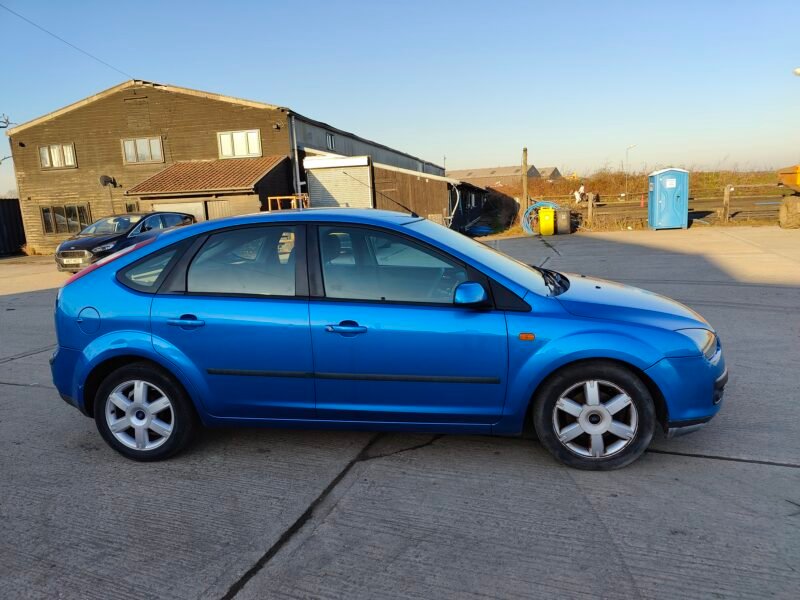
x=390, y=346
x=240, y=323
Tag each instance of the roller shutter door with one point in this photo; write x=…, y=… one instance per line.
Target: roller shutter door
x=340, y=187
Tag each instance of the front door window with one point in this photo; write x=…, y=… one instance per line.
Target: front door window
x=365, y=264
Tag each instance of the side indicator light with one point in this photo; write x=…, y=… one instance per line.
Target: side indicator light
x=527, y=337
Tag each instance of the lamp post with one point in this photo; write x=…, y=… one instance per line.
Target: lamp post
x=627, y=150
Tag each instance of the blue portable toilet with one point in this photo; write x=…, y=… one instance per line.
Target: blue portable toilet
x=668, y=199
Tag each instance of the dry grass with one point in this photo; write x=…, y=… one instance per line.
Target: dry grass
x=610, y=184
x=615, y=224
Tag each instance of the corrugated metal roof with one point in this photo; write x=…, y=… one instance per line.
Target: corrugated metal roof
x=230, y=174
x=321, y=162
x=513, y=171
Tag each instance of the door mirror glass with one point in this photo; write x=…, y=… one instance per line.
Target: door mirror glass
x=471, y=293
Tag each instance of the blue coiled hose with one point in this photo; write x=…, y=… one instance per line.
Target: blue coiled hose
x=527, y=218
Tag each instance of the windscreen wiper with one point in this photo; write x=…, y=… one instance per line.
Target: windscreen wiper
x=554, y=280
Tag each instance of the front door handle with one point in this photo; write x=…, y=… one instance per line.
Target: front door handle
x=186, y=322
x=346, y=328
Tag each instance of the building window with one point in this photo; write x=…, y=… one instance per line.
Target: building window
x=57, y=156
x=70, y=218
x=330, y=141
x=131, y=207
x=239, y=144
x=143, y=150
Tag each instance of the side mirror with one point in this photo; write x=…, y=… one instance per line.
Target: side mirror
x=471, y=294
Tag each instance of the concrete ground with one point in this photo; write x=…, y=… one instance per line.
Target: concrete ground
x=304, y=514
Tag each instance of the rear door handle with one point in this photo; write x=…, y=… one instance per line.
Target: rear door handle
x=346, y=328
x=186, y=322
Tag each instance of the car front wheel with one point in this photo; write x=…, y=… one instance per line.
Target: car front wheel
x=143, y=413
x=596, y=416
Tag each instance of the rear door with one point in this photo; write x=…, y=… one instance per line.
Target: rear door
x=236, y=310
x=389, y=344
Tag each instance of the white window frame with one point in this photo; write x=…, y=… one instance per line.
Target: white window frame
x=50, y=149
x=138, y=161
x=330, y=141
x=251, y=152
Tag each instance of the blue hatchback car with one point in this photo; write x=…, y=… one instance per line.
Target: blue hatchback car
x=364, y=319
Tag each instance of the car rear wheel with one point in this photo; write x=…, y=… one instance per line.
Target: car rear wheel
x=596, y=416
x=143, y=413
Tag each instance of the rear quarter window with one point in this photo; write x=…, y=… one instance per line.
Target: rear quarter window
x=146, y=274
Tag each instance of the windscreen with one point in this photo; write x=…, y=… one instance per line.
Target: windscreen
x=112, y=225
x=503, y=264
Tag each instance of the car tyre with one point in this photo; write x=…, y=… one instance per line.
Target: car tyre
x=595, y=416
x=143, y=413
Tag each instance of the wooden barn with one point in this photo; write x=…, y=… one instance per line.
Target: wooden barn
x=142, y=145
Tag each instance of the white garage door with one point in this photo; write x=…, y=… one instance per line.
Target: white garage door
x=340, y=186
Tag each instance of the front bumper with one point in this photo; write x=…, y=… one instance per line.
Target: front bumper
x=74, y=260
x=693, y=390
x=677, y=428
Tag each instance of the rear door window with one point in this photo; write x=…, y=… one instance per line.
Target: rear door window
x=249, y=261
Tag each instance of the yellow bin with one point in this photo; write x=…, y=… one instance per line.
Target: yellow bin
x=547, y=221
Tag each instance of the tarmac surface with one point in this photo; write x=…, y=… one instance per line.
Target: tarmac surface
x=311, y=514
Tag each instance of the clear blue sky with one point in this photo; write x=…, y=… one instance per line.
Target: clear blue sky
x=702, y=84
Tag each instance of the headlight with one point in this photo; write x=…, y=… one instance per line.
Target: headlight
x=704, y=339
x=103, y=247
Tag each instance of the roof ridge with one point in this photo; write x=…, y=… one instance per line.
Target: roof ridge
x=142, y=83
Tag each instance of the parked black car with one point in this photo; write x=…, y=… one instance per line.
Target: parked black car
x=112, y=234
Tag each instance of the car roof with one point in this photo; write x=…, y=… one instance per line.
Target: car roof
x=336, y=214
x=155, y=212
x=360, y=216
x=347, y=215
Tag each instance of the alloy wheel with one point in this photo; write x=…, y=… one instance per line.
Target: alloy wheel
x=595, y=419
x=140, y=415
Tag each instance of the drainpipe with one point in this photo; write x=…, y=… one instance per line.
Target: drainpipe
x=455, y=208
x=296, y=162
